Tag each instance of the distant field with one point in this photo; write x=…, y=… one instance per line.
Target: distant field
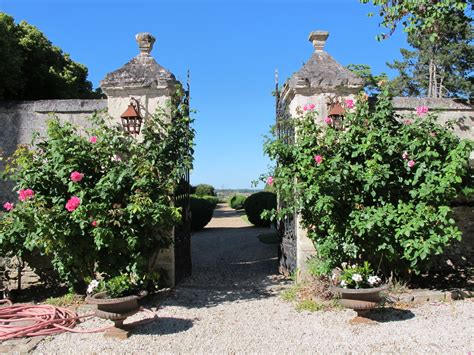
x=224, y=194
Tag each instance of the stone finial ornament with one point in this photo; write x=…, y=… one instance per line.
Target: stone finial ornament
x=145, y=42
x=318, y=38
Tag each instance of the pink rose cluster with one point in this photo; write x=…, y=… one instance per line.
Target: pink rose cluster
x=76, y=176
x=25, y=194
x=411, y=163
x=318, y=159
x=421, y=110
x=309, y=107
x=73, y=203
x=93, y=139
x=8, y=206
x=328, y=120
x=270, y=180
x=350, y=103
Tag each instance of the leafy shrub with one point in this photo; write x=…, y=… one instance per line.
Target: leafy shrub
x=372, y=187
x=204, y=190
x=237, y=202
x=201, y=212
x=95, y=200
x=257, y=203
x=212, y=199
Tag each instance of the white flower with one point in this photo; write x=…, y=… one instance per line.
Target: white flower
x=344, y=265
x=92, y=286
x=374, y=280
x=357, y=277
x=343, y=283
x=354, y=266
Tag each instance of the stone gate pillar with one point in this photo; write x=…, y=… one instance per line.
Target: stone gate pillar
x=327, y=84
x=143, y=79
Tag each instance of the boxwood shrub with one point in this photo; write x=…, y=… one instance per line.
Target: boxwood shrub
x=237, y=202
x=258, y=202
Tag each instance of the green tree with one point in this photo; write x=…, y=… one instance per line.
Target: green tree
x=31, y=67
x=11, y=59
x=417, y=15
x=371, y=81
x=440, y=68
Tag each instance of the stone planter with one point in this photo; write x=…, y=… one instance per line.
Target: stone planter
x=360, y=300
x=116, y=310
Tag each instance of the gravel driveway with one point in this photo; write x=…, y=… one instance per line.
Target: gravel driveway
x=231, y=304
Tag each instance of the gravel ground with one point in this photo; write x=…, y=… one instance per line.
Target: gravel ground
x=231, y=304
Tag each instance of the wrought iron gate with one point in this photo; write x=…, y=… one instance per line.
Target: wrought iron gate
x=182, y=232
x=287, y=226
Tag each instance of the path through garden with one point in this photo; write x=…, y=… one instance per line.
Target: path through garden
x=232, y=304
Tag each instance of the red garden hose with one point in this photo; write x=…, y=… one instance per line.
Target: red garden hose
x=44, y=320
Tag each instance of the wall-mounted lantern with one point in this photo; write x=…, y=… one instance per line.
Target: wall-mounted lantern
x=131, y=118
x=336, y=113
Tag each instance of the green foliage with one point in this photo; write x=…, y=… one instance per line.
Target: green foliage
x=212, y=199
x=363, y=201
x=201, y=212
x=441, y=68
x=290, y=294
x=67, y=300
x=120, y=286
x=417, y=16
x=237, y=202
x=32, y=68
x=256, y=204
x=125, y=215
x=371, y=82
x=204, y=190
x=309, y=306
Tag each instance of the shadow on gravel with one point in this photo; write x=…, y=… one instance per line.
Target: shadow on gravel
x=389, y=314
x=164, y=326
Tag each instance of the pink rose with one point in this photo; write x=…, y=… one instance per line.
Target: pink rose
x=305, y=108
x=311, y=106
x=405, y=155
x=411, y=164
x=407, y=122
x=318, y=159
x=25, y=194
x=350, y=103
x=73, y=203
x=8, y=206
x=93, y=139
x=421, y=110
x=76, y=176
x=94, y=223
x=328, y=120
x=270, y=180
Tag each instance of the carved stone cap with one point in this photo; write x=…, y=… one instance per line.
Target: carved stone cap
x=318, y=38
x=145, y=42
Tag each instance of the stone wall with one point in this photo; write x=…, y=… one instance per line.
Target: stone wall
x=19, y=119
x=448, y=109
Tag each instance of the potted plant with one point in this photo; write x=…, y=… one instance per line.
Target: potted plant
x=359, y=288
x=116, y=299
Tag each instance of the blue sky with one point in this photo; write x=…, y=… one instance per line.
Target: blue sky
x=231, y=48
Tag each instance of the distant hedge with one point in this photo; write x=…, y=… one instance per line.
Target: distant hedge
x=255, y=204
x=237, y=202
x=201, y=212
x=204, y=190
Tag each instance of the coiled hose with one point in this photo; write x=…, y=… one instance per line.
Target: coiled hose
x=44, y=320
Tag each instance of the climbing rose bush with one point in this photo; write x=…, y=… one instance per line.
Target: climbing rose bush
x=95, y=214
x=372, y=188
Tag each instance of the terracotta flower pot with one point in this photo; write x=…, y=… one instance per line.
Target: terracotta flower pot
x=116, y=310
x=360, y=300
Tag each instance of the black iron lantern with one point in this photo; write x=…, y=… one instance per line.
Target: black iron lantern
x=336, y=114
x=131, y=118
